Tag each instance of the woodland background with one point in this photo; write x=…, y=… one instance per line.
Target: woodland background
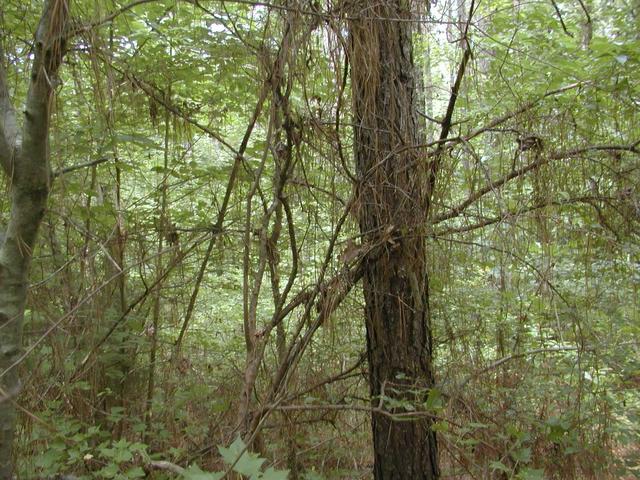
x=175, y=297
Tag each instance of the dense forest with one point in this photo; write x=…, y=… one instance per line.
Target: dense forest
x=306, y=239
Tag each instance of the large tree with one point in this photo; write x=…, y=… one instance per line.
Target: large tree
x=393, y=201
x=25, y=162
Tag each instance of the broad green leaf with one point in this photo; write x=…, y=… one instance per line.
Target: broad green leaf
x=522, y=455
x=136, y=472
x=248, y=464
x=531, y=474
x=272, y=474
x=496, y=465
x=195, y=473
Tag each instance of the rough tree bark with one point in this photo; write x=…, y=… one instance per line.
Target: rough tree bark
x=393, y=202
x=25, y=162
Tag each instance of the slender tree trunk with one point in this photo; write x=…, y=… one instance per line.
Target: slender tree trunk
x=117, y=247
x=163, y=225
x=281, y=148
x=25, y=161
x=392, y=209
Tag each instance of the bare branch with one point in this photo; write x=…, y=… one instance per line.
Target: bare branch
x=73, y=168
x=32, y=169
x=632, y=147
x=107, y=19
x=585, y=10
x=513, y=214
x=458, y=209
x=222, y=213
x=166, y=466
x=407, y=415
x=159, y=97
x=478, y=194
x=29, y=172
x=446, y=123
x=515, y=356
x=526, y=106
x=564, y=26
x=6, y=154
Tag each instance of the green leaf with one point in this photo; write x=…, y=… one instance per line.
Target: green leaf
x=231, y=453
x=478, y=425
x=495, y=465
x=136, y=472
x=249, y=464
x=49, y=459
x=440, y=426
x=522, y=455
x=531, y=474
x=434, y=399
x=110, y=471
x=116, y=414
x=194, y=473
x=273, y=474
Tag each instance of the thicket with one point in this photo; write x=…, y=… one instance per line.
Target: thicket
x=196, y=275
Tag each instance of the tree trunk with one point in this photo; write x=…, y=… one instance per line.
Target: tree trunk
x=392, y=211
x=25, y=161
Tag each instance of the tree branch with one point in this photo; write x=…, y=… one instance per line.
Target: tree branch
x=164, y=465
x=513, y=214
x=8, y=126
x=509, y=115
x=159, y=97
x=107, y=19
x=406, y=415
x=500, y=120
x=478, y=194
x=446, y=123
x=585, y=10
x=28, y=170
x=32, y=167
x=73, y=168
x=564, y=26
x=514, y=356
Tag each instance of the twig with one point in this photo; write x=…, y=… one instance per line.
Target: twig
x=585, y=10
x=564, y=27
x=73, y=168
x=107, y=19
x=358, y=408
x=166, y=466
x=514, y=356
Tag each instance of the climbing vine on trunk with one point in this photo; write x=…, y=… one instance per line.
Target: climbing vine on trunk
x=392, y=204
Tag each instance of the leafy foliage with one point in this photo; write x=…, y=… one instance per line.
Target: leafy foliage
x=220, y=201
